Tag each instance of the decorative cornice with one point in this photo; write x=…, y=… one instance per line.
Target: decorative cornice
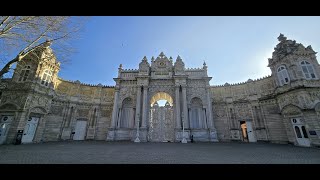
x=241, y=83
x=84, y=84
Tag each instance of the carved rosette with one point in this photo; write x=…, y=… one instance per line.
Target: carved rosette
x=291, y=111
x=219, y=111
x=56, y=110
x=38, y=110
x=17, y=98
x=127, y=91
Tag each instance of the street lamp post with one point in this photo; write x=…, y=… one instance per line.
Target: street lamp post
x=137, y=135
x=183, y=135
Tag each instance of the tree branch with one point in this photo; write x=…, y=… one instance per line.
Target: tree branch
x=6, y=68
x=34, y=41
x=26, y=35
x=4, y=30
x=4, y=20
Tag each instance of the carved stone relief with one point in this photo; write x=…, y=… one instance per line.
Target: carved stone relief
x=219, y=111
x=107, y=95
x=83, y=112
x=8, y=107
x=243, y=111
x=56, y=110
x=15, y=98
x=38, y=110
x=291, y=110
x=127, y=91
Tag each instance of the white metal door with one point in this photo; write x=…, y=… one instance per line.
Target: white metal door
x=251, y=136
x=30, y=130
x=4, y=127
x=300, y=132
x=161, y=124
x=80, y=130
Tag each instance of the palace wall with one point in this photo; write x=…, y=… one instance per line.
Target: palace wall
x=248, y=101
x=270, y=104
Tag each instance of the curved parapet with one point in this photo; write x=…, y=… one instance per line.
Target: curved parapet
x=77, y=91
x=240, y=83
x=244, y=90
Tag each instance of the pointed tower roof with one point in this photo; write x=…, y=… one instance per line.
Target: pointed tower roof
x=144, y=58
x=205, y=65
x=178, y=58
x=162, y=55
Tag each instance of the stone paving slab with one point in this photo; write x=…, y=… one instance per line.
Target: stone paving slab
x=102, y=152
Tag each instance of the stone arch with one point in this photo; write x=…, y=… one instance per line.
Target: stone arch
x=282, y=64
x=317, y=107
x=9, y=106
x=196, y=101
x=127, y=102
x=126, y=99
x=291, y=110
x=203, y=100
x=161, y=95
x=38, y=110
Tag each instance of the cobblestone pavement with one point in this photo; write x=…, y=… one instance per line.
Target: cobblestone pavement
x=102, y=152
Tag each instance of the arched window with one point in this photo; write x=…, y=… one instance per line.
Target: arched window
x=24, y=73
x=46, y=77
x=127, y=114
x=197, y=114
x=307, y=69
x=283, y=75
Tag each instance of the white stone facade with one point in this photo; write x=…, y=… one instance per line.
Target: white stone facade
x=175, y=83
x=281, y=108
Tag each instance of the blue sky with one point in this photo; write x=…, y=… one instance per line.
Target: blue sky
x=234, y=48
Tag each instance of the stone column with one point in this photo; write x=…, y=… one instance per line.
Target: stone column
x=137, y=116
x=119, y=118
x=209, y=110
x=66, y=117
x=208, y=119
x=185, y=108
x=144, y=107
x=204, y=118
x=178, y=119
x=213, y=133
x=191, y=124
x=115, y=109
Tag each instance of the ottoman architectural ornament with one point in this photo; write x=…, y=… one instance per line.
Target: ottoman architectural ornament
x=280, y=108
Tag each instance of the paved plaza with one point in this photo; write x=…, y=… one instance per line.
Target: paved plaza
x=102, y=152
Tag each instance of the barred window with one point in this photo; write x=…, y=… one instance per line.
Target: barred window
x=307, y=69
x=283, y=75
x=46, y=77
x=24, y=73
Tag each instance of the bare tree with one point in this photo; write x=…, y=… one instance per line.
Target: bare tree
x=25, y=35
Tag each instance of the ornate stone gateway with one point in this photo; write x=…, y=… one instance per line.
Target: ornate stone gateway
x=188, y=112
x=161, y=127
